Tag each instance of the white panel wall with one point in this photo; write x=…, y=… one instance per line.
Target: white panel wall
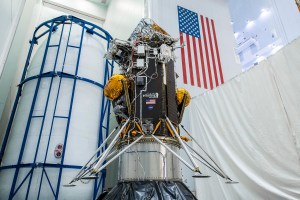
x=9, y=17
x=289, y=18
x=123, y=16
x=16, y=58
x=85, y=9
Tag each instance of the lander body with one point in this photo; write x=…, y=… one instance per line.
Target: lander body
x=149, y=109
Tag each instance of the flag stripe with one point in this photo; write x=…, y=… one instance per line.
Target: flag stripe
x=183, y=60
x=196, y=62
x=217, y=51
x=190, y=59
x=206, y=51
x=202, y=63
x=212, y=53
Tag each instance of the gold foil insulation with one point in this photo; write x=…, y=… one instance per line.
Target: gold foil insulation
x=185, y=138
x=114, y=88
x=180, y=92
x=157, y=28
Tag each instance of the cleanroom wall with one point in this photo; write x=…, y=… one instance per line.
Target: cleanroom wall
x=14, y=62
x=123, y=16
x=250, y=125
x=9, y=17
x=287, y=19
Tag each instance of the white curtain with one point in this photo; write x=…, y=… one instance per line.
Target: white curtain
x=251, y=126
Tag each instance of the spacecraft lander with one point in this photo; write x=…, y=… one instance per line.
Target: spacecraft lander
x=149, y=109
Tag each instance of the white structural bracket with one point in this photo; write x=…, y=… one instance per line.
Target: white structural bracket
x=99, y=149
x=109, y=148
x=196, y=142
x=89, y=170
x=196, y=169
x=118, y=155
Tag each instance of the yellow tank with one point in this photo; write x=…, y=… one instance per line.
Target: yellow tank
x=114, y=88
x=180, y=92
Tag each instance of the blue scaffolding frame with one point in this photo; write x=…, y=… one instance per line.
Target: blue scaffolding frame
x=51, y=26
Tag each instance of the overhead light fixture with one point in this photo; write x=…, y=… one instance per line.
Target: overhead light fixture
x=250, y=23
x=236, y=34
x=264, y=12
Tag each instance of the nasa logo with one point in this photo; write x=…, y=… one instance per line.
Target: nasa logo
x=150, y=107
x=151, y=95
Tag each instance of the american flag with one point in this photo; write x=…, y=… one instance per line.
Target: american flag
x=150, y=101
x=201, y=65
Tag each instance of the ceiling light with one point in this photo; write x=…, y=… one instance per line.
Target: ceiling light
x=250, y=23
x=264, y=12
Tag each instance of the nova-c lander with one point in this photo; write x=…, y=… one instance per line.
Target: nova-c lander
x=149, y=109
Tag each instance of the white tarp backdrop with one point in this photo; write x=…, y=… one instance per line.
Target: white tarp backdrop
x=251, y=126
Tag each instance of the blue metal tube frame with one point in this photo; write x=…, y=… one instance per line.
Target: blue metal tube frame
x=52, y=25
x=37, y=165
x=14, y=109
x=61, y=74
